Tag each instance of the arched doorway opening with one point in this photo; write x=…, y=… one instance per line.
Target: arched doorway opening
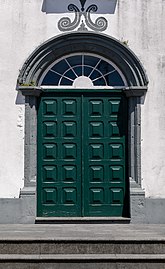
x=86, y=133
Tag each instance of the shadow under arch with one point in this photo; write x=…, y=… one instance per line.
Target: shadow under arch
x=77, y=42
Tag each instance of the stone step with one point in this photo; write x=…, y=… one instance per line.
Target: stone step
x=83, y=257
x=81, y=247
x=90, y=261
x=82, y=239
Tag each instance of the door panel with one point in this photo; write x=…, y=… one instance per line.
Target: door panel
x=82, y=154
x=59, y=156
x=105, y=128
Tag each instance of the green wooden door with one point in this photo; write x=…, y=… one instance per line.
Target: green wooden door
x=104, y=143
x=82, y=154
x=59, y=156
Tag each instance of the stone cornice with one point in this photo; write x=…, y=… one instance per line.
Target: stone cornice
x=135, y=91
x=30, y=90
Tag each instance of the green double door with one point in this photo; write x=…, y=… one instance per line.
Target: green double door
x=82, y=154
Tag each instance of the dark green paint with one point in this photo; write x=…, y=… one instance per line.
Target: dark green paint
x=82, y=154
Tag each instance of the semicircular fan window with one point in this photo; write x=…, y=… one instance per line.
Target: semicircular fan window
x=90, y=69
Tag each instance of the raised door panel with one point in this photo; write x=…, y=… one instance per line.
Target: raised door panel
x=59, y=156
x=104, y=160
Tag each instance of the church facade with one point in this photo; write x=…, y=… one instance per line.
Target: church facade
x=82, y=111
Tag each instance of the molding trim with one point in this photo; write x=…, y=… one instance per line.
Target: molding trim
x=28, y=191
x=129, y=91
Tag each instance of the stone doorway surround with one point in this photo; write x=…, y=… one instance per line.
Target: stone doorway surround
x=137, y=81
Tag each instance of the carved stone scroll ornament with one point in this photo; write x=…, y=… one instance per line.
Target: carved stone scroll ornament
x=100, y=24
x=65, y=23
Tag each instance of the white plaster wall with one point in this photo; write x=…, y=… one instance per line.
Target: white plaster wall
x=142, y=24
x=24, y=26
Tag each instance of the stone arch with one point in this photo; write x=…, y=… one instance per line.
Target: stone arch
x=99, y=44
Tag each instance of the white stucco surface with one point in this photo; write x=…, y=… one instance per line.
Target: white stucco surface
x=24, y=26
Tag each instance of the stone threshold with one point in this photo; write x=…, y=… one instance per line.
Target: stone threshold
x=77, y=220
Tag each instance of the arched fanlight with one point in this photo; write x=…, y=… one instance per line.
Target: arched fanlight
x=85, y=68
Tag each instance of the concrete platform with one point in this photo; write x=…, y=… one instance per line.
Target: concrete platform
x=92, y=232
